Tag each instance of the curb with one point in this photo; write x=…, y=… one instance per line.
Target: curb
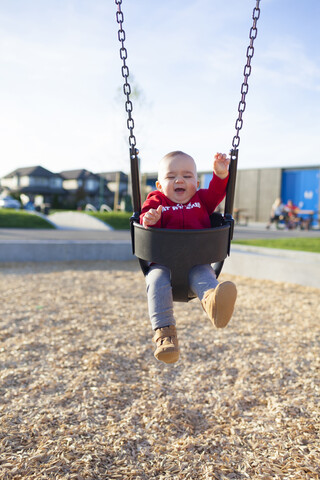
x=302, y=268
x=63, y=251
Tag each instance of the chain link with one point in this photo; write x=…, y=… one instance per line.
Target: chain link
x=125, y=75
x=246, y=72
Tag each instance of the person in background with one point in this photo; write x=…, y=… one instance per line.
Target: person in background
x=292, y=215
x=277, y=212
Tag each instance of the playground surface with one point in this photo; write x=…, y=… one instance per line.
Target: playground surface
x=83, y=397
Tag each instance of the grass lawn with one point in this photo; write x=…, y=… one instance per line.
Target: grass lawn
x=301, y=244
x=10, y=218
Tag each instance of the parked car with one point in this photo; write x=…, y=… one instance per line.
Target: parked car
x=9, y=202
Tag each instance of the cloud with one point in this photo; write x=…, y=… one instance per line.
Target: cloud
x=287, y=62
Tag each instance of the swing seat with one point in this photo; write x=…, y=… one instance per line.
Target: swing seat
x=180, y=250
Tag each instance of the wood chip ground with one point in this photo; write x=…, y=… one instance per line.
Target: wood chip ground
x=82, y=397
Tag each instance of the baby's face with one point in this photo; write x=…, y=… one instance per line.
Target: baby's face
x=178, y=178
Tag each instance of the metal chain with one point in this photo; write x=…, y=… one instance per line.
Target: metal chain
x=125, y=74
x=246, y=73
x=127, y=87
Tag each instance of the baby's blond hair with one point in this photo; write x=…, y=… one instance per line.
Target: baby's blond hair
x=172, y=155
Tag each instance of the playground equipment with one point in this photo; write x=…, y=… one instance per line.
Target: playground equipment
x=180, y=250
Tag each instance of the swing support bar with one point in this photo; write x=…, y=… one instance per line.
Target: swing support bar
x=135, y=180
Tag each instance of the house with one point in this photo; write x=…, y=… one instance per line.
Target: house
x=83, y=187
x=118, y=184
x=35, y=181
x=67, y=189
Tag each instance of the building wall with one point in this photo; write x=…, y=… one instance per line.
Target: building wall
x=269, y=190
x=70, y=184
x=256, y=190
x=11, y=182
x=245, y=199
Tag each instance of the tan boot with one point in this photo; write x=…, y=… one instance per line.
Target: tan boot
x=219, y=302
x=167, y=344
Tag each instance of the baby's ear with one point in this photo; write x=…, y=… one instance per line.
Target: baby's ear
x=198, y=183
x=158, y=185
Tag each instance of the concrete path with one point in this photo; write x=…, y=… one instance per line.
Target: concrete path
x=76, y=221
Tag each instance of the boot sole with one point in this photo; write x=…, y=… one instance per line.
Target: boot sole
x=225, y=298
x=168, y=357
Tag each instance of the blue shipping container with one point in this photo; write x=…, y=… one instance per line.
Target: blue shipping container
x=302, y=187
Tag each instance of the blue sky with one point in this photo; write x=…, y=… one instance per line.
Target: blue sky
x=61, y=107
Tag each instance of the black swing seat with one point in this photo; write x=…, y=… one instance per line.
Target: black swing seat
x=180, y=250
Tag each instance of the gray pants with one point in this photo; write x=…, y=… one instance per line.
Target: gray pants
x=159, y=291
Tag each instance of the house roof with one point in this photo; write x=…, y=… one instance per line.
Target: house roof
x=78, y=174
x=36, y=171
x=112, y=176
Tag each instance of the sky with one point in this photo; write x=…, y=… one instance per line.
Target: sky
x=61, y=98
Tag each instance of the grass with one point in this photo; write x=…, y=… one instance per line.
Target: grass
x=10, y=218
x=302, y=244
x=116, y=220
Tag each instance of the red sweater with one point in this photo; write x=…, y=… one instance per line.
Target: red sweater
x=192, y=215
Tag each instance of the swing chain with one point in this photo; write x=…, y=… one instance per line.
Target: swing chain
x=246, y=73
x=125, y=75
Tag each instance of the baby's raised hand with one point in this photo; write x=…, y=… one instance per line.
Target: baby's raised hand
x=152, y=216
x=221, y=165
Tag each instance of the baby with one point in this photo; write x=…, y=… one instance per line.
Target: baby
x=177, y=185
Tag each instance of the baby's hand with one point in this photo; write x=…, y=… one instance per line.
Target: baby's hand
x=221, y=165
x=152, y=216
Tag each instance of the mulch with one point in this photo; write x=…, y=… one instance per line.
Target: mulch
x=82, y=397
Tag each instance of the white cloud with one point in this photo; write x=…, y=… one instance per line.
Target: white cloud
x=289, y=63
